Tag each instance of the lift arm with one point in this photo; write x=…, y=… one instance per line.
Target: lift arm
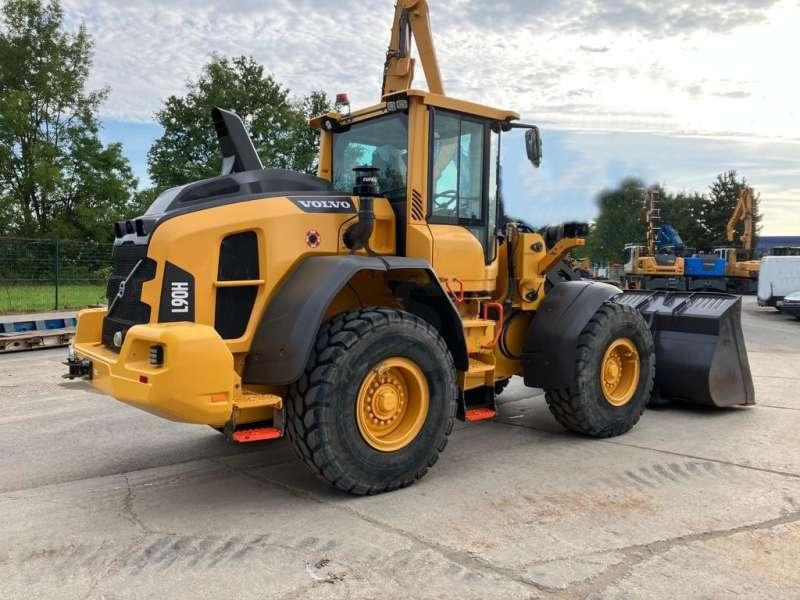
x=743, y=212
x=411, y=19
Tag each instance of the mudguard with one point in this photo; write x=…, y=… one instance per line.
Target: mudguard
x=284, y=338
x=549, y=351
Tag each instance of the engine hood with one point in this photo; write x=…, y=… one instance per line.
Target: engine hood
x=221, y=190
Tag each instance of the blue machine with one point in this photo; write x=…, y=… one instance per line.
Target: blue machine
x=704, y=265
x=668, y=237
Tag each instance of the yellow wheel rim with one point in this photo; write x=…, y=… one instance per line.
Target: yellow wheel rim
x=619, y=372
x=392, y=404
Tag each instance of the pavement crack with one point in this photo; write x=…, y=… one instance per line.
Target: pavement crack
x=464, y=559
x=777, y=407
x=703, y=458
x=617, y=442
x=128, y=509
x=637, y=554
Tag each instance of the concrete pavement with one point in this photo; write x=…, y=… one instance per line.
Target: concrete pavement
x=99, y=500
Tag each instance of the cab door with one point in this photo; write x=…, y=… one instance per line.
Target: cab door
x=463, y=198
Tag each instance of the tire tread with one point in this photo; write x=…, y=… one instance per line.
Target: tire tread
x=334, y=340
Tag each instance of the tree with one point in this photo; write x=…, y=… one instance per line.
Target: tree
x=723, y=196
x=686, y=213
x=56, y=177
x=277, y=123
x=619, y=222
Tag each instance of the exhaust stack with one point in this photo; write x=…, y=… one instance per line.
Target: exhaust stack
x=238, y=152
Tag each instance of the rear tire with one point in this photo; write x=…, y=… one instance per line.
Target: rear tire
x=585, y=407
x=324, y=413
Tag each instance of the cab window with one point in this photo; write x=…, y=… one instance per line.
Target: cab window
x=382, y=143
x=463, y=175
x=458, y=146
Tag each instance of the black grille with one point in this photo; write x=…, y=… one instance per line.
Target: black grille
x=234, y=306
x=238, y=257
x=128, y=310
x=238, y=261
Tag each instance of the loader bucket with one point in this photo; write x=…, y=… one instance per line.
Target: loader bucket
x=700, y=352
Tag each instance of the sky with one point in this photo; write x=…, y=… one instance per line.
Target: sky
x=671, y=92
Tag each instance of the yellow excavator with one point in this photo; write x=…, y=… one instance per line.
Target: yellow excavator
x=361, y=311
x=741, y=270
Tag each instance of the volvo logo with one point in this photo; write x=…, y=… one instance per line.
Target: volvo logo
x=325, y=203
x=322, y=204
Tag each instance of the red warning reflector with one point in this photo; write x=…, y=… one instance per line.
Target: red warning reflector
x=480, y=414
x=257, y=435
x=143, y=379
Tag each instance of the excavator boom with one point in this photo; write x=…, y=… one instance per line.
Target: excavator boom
x=411, y=19
x=744, y=213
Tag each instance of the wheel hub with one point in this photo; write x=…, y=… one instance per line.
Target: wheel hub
x=619, y=372
x=384, y=399
x=392, y=404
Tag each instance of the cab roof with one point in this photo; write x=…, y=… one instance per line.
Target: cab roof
x=427, y=98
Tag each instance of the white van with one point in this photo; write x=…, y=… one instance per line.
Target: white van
x=778, y=276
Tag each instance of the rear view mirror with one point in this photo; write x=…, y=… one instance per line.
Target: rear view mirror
x=533, y=146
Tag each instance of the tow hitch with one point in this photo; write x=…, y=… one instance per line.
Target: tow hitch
x=79, y=368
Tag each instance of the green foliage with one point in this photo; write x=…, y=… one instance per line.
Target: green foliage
x=277, y=123
x=619, y=222
x=56, y=177
x=699, y=219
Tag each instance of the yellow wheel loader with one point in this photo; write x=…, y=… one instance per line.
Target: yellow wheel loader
x=361, y=311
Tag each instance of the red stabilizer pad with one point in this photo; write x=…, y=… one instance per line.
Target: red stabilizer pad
x=257, y=435
x=480, y=414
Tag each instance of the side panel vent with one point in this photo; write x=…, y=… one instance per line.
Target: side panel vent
x=238, y=257
x=238, y=261
x=234, y=305
x=417, y=213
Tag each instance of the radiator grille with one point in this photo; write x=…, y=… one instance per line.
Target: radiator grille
x=128, y=310
x=238, y=261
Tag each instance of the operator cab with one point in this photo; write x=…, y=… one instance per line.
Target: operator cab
x=438, y=162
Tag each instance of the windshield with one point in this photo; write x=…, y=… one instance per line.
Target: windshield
x=380, y=143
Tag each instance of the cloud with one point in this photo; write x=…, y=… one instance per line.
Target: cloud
x=737, y=95
x=670, y=18
x=590, y=16
x=611, y=56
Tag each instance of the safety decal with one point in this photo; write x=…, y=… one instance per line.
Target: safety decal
x=313, y=238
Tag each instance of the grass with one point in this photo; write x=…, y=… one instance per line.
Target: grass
x=41, y=298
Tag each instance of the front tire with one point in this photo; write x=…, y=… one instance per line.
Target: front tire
x=376, y=402
x=614, y=371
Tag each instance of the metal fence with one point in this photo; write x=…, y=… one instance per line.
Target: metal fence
x=43, y=275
